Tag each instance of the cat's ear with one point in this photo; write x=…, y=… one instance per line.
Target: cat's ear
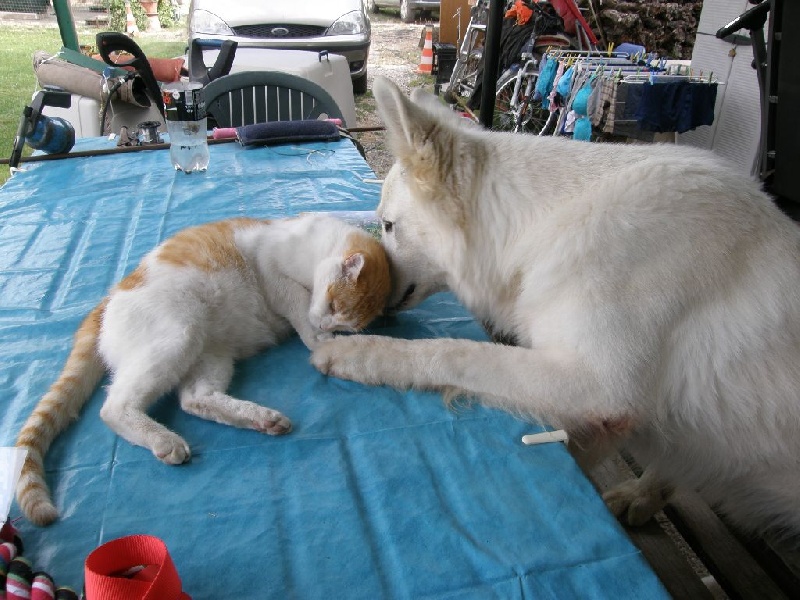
x=352, y=265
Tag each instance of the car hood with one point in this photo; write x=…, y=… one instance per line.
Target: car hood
x=248, y=12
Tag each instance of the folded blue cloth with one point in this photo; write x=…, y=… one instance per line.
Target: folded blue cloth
x=630, y=49
x=279, y=132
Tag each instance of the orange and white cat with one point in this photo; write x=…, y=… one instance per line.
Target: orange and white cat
x=202, y=299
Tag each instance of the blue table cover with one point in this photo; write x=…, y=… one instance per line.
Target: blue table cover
x=375, y=493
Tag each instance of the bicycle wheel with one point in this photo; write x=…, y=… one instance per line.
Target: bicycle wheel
x=506, y=106
x=464, y=76
x=518, y=114
x=533, y=118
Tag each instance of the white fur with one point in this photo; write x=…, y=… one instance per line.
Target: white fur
x=654, y=292
x=185, y=328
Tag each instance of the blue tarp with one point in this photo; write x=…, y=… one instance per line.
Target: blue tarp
x=375, y=494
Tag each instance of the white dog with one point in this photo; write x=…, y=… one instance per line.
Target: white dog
x=652, y=292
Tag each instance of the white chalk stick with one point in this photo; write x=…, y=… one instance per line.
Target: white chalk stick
x=545, y=437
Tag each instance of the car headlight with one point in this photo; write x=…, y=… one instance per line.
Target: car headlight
x=350, y=24
x=208, y=23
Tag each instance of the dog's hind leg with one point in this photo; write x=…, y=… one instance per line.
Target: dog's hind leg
x=597, y=440
x=637, y=500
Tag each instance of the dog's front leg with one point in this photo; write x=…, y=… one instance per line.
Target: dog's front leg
x=551, y=386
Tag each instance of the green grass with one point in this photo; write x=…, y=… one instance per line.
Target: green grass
x=18, y=82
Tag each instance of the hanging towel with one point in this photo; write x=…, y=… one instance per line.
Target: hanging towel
x=676, y=105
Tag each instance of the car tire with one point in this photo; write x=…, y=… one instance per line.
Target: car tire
x=360, y=85
x=406, y=12
x=371, y=6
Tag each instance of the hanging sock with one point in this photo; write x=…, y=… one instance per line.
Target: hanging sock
x=580, y=104
x=583, y=130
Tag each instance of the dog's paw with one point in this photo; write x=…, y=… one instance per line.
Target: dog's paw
x=344, y=357
x=370, y=359
x=634, y=502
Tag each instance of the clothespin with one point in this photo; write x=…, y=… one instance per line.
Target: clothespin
x=610, y=48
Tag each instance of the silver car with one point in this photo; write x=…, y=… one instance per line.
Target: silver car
x=409, y=9
x=338, y=26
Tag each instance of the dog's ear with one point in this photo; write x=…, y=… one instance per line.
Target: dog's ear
x=404, y=120
x=434, y=105
x=422, y=133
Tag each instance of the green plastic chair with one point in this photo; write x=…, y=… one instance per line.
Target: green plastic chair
x=251, y=97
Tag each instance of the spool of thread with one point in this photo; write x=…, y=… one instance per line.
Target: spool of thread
x=66, y=593
x=19, y=579
x=43, y=587
x=8, y=552
x=52, y=135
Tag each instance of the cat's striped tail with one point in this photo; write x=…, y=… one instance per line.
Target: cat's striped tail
x=55, y=411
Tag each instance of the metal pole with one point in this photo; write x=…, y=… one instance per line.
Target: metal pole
x=66, y=25
x=491, y=57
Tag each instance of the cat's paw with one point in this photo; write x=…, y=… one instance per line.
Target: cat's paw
x=634, y=502
x=171, y=449
x=273, y=423
x=324, y=336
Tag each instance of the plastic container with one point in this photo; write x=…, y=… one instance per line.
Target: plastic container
x=185, y=111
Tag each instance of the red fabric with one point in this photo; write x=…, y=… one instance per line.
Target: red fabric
x=165, y=70
x=520, y=12
x=566, y=9
x=570, y=14
x=106, y=566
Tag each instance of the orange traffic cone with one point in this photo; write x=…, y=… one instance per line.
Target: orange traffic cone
x=426, y=62
x=130, y=23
